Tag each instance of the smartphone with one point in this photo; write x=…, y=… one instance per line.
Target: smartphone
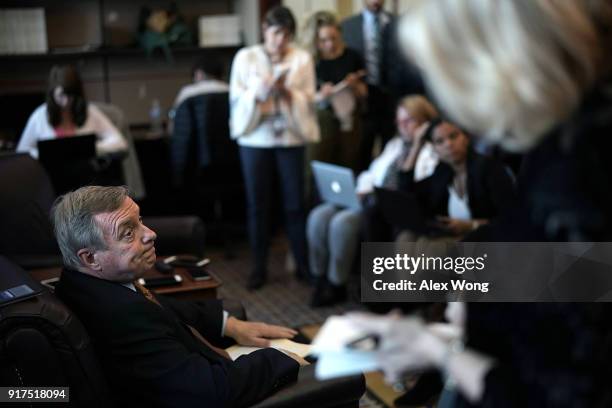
x=165, y=281
x=14, y=294
x=186, y=261
x=198, y=274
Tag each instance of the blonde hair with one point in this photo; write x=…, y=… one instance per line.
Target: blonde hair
x=508, y=70
x=418, y=107
x=310, y=33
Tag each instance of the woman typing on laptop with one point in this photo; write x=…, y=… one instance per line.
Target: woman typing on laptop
x=333, y=232
x=66, y=112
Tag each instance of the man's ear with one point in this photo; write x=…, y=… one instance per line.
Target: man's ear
x=88, y=258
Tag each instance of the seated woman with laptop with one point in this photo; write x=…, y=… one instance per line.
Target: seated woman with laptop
x=65, y=113
x=466, y=189
x=333, y=231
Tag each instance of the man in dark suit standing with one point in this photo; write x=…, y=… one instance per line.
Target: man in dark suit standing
x=372, y=33
x=155, y=351
x=366, y=32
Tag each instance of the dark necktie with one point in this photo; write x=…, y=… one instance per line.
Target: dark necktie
x=147, y=294
x=391, y=179
x=373, y=63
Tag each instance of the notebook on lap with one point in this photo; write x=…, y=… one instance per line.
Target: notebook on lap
x=403, y=210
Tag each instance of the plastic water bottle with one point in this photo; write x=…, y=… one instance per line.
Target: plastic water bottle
x=155, y=116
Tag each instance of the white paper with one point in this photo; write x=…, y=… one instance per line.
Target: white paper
x=335, y=359
x=300, y=349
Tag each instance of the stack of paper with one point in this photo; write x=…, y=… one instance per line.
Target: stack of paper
x=335, y=359
x=300, y=349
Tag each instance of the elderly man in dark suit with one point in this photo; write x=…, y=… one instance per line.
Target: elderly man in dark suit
x=155, y=351
x=372, y=33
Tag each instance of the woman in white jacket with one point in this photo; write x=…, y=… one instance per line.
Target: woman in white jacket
x=65, y=113
x=272, y=86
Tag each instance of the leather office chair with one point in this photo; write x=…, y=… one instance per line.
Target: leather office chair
x=27, y=196
x=43, y=344
x=27, y=234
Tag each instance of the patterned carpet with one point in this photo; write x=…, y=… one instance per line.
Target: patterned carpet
x=283, y=300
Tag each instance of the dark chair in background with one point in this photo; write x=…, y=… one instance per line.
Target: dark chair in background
x=27, y=234
x=42, y=343
x=27, y=196
x=206, y=168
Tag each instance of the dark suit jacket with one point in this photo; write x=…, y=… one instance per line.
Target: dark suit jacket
x=201, y=135
x=152, y=359
x=397, y=75
x=352, y=32
x=490, y=187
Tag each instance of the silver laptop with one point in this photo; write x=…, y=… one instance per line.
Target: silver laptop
x=336, y=184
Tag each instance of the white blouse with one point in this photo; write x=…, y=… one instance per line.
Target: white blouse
x=374, y=176
x=458, y=207
x=249, y=123
x=109, y=140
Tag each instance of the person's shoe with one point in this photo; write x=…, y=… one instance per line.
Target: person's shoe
x=256, y=281
x=328, y=295
x=320, y=287
x=303, y=275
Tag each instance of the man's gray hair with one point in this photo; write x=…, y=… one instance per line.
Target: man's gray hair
x=73, y=219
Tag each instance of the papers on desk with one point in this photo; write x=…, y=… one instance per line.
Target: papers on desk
x=335, y=359
x=300, y=349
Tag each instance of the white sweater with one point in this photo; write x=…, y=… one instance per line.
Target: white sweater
x=248, y=123
x=109, y=140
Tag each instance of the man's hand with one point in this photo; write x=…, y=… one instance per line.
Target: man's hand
x=455, y=226
x=255, y=333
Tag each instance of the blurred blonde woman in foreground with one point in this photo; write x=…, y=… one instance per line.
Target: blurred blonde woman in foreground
x=531, y=76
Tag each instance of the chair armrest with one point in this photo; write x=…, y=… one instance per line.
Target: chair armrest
x=310, y=392
x=178, y=235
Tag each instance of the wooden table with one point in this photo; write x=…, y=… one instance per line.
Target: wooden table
x=188, y=289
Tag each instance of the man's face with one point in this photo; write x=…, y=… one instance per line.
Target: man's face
x=130, y=248
x=375, y=6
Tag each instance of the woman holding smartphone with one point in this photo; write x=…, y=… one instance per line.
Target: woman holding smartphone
x=272, y=118
x=340, y=90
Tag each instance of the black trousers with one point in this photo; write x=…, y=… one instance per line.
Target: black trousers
x=259, y=166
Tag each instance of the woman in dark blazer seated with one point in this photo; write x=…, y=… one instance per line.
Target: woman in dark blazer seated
x=466, y=190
